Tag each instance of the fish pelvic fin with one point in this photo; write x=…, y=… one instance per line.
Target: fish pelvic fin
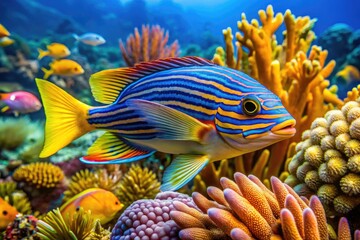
x=47, y=73
x=66, y=117
x=182, y=169
x=111, y=148
x=42, y=53
x=75, y=36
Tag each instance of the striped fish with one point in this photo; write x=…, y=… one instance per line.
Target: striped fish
x=186, y=106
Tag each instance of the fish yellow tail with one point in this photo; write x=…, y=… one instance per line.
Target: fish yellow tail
x=42, y=53
x=47, y=73
x=66, y=117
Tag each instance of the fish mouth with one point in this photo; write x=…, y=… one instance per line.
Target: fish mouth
x=286, y=128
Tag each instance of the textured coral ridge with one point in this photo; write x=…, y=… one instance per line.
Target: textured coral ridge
x=41, y=175
x=327, y=161
x=247, y=209
x=150, y=219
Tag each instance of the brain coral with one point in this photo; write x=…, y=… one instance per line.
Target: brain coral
x=150, y=219
x=327, y=160
x=40, y=175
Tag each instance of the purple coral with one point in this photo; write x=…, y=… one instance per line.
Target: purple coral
x=150, y=219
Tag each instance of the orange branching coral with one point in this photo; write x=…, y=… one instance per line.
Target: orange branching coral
x=296, y=77
x=247, y=209
x=40, y=175
x=150, y=45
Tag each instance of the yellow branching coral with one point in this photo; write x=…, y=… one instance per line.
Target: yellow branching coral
x=40, y=175
x=247, y=209
x=284, y=68
x=150, y=45
x=328, y=164
x=137, y=183
x=85, y=179
x=15, y=197
x=55, y=227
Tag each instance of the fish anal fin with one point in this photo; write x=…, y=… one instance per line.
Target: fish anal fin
x=106, y=85
x=182, y=170
x=171, y=123
x=111, y=148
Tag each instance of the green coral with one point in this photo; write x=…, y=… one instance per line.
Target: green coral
x=15, y=197
x=137, y=183
x=55, y=227
x=327, y=162
x=21, y=138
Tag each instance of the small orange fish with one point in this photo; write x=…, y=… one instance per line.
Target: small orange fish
x=349, y=73
x=3, y=31
x=7, y=213
x=102, y=204
x=54, y=50
x=63, y=67
x=5, y=41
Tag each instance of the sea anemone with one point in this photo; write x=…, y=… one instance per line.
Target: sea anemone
x=247, y=209
x=40, y=175
x=55, y=227
x=137, y=183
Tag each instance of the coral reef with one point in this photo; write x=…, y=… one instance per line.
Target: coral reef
x=86, y=179
x=150, y=45
x=327, y=160
x=137, y=183
x=55, y=227
x=247, y=209
x=150, y=219
x=296, y=77
x=16, y=197
x=23, y=227
x=40, y=175
x=20, y=143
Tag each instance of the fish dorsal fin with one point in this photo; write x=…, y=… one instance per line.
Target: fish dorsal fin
x=106, y=85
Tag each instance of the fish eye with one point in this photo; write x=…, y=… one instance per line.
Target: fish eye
x=116, y=203
x=250, y=106
x=4, y=212
x=77, y=208
x=75, y=68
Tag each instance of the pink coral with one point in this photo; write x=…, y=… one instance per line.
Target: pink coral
x=150, y=219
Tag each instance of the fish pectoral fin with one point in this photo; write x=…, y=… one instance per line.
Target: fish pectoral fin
x=4, y=109
x=171, y=123
x=182, y=170
x=111, y=148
